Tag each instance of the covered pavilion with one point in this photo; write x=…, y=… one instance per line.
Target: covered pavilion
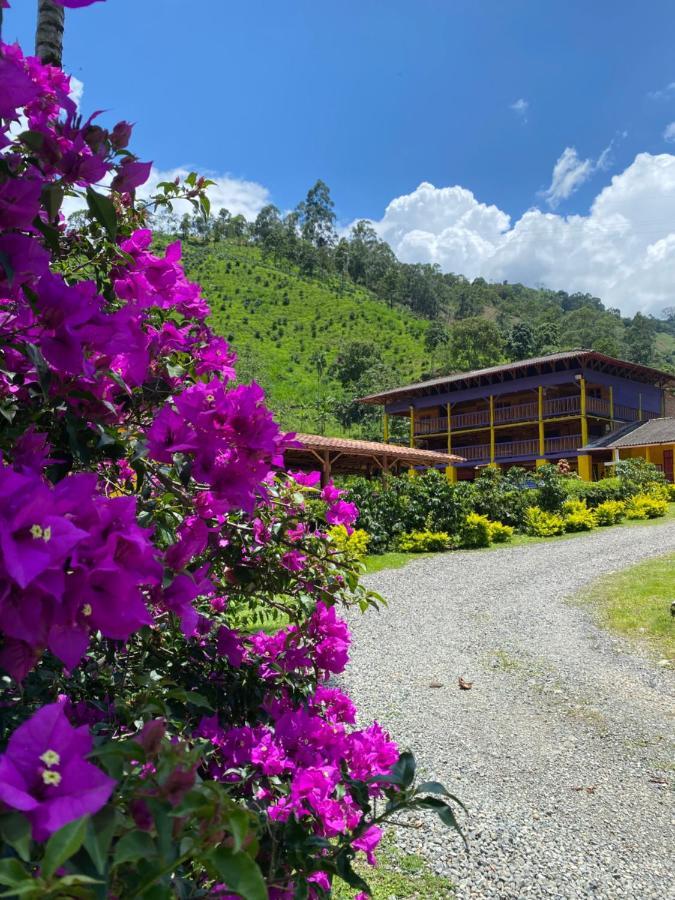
x=345, y=456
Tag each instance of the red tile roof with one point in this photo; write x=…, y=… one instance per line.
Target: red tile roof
x=371, y=448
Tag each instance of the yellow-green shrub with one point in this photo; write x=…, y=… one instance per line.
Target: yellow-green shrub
x=475, y=532
x=354, y=545
x=577, y=516
x=671, y=492
x=540, y=523
x=499, y=533
x=644, y=506
x=610, y=512
x=423, y=542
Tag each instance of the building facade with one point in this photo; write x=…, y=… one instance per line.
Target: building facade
x=530, y=412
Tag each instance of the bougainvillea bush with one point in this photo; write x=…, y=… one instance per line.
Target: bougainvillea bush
x=168, y=607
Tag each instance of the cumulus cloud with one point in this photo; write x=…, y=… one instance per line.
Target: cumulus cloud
x=669, y=133
x=520, y=108
x=236, y=194
x=622, y=251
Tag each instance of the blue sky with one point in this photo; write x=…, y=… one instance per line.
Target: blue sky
x=377, y=96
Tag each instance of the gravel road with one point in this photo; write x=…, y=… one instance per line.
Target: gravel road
x=560, y=748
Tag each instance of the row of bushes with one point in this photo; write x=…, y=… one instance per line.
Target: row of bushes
x=424, y=512
x=577, y=516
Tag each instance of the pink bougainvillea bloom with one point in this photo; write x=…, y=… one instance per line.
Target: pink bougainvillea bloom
x=294, y=561
x=342, y=513
x=330, y=493
x=76, y=4
x=306, y=479
x=45, y=775
x=131, y=174
x=368, y=842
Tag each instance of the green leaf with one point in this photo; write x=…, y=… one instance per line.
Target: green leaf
x=99, y=837
x=7, y=267
x=15, y=831
x=103, y=210
x=240, y=872
x=63, y=844
x=134, y=846
x=52, y=198
x=239, y=826
x=431, y=787
x=12, y=872
x=447, y=816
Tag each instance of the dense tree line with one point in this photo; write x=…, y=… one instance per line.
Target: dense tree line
x=472, y=323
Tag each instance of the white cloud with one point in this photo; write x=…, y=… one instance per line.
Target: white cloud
x=76, y=90
x=622, y=251
x=228, y=192
x=664, y=93
x=570, y=172
x=669, y=133
x=239, y=196
x=520, y=108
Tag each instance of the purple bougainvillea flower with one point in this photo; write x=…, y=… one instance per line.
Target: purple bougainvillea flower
x=76, y=4
x=368, y=842
x=306, y=479
x=45, y=775
x=131, y=174
x=342, y=513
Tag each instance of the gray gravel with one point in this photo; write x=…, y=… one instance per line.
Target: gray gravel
x=560, y=747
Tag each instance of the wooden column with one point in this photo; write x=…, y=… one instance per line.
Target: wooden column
x=412, y=426
x=640, y=406
x=542, y=441
x=325, y=469
x=448, y=413
x=492, y=429
x=584, y=420
x=611, y=406
x=385, y=428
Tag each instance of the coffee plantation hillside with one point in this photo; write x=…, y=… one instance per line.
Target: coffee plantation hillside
x=290, y=330
x=317, y=339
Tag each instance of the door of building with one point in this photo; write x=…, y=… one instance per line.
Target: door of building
x=668, y=464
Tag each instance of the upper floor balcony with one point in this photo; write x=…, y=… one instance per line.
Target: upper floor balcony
x=553, y=408
x=567, y=443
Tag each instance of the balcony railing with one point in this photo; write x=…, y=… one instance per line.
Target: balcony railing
x=528, y=448
x=562, y=444
x=558, y=407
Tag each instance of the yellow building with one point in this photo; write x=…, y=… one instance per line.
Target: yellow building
x=653, y=441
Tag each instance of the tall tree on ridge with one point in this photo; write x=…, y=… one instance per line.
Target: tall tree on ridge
x=317, y=219
x=49, y=33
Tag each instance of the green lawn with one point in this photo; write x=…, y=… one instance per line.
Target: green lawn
x=636, y=603
x=399, y=876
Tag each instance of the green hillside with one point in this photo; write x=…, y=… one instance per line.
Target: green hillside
x=281, y=324
x=320, y=322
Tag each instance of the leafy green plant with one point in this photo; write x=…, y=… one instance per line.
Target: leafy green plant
x=475, y=532
x=637, y=476
x=499, y=533
x=540, y=523
x=611, y=512
x=423, y=542
x=645, y=506
x=577, y=516
x=354, y=544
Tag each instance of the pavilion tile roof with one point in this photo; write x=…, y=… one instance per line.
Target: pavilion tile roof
x=654, y=375
x=655, y=431
x=370, y=448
